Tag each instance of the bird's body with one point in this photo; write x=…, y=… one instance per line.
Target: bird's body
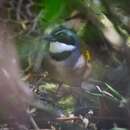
x=69, y=65
x=67, y=71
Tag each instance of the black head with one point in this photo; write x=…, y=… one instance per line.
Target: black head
x=63, y=42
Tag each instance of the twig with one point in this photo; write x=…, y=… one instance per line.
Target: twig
x=28, y=8
x=18, y=10
x=34, y=123
x=75, y=16
x=59, y=87
x=35, y=22
x=63, y=119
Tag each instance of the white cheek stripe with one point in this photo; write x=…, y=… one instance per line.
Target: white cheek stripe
x=59, y=47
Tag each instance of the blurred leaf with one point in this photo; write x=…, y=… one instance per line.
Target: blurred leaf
x=91, y=33
x=114, y=92
x=53, y=9
x=96, y=5
x=49, y=87
x=117, y=128
x=122, y=4
x=67, y=103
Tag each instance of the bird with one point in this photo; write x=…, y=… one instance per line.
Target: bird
x=64, y=61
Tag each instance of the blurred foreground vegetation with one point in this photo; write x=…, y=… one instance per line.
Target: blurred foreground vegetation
x=103, y=27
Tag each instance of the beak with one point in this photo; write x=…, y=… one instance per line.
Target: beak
x=49, y=38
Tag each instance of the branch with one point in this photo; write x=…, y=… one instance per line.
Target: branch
x=18, y=10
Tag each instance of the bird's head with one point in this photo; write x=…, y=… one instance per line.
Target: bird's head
x=62, y=43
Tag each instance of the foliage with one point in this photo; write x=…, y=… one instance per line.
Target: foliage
x=102, y=25
x=48, y=87
x=67, y=103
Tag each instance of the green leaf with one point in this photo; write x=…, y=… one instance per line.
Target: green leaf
x=49, y=87
x=67, y=103
x=53, y=9
x=114, y=92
